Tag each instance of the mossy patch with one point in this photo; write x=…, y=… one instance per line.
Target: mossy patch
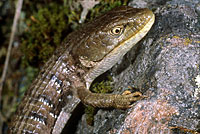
x=46, y=30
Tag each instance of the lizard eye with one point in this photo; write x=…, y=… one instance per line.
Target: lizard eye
x=117, y=30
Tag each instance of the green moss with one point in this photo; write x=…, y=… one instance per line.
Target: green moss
x=90, y=112
x=102, y=87
x=46, y=30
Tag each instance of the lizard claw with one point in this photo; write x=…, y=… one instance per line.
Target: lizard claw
x=126, y=100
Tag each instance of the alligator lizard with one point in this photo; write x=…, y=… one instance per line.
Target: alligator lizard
x=66, y=78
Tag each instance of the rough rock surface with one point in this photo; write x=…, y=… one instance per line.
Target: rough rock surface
x=165, y=66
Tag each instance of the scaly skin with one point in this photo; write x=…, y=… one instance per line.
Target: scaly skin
x=66, y=78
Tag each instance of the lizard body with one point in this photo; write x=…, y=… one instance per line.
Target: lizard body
x=66, y=78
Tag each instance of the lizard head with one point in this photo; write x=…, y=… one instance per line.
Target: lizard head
x=110, y=31
x=102, y=42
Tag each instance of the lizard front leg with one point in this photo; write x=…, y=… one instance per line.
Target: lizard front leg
x=108, y=100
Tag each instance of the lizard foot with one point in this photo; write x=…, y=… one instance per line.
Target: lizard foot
x=126, y=99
